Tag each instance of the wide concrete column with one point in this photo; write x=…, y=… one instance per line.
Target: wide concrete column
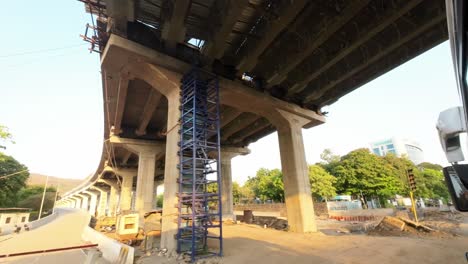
x=147, y=152
x=102, y=203
x=126, y=188
x=84, y=201
x=299, y=205
x=171, y=173
x=92, y=202
x=227, y=201
x=113, y=201
x=72, y=202
x=145, y=181
x=77, y=202
x=113, y=196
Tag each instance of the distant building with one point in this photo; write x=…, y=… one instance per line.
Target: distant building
x=400, y=147
x=9, y=217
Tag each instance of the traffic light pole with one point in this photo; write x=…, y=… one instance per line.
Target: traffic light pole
x=413, y=207
x=412, y=188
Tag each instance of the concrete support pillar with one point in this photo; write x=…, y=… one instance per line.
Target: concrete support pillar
x=145, y=181
x=113, y=196
x=113, y=201
x=171, y=173
x=102, y=204
x=147, y=152
x=126, y=188
x=77, y=202
x=92, y=202
x=227, y=200
x=84, y=201
x=72, y=203
x=299, y=205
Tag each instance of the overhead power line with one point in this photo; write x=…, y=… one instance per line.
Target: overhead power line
x=39, y=51
x=6, y=176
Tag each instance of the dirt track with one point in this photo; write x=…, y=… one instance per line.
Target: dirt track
x=253, y=244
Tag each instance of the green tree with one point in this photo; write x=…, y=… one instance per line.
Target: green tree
x=360, y=171
x=321, y=182
x=401, y=166
x=246, y=193
x=236, y=192
x=267, y=184
x=5, y=136
x=428, y=165
x=11, y=185
x=34, y=202
x=431, y=184
x=159, y=200
x=329, y=160
x=29, y=191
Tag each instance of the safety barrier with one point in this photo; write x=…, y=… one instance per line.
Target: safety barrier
x=112, y=250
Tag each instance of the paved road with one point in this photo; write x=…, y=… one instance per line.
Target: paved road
x=63, y=231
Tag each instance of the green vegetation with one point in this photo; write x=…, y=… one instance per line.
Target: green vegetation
x=10, y=186
x=358, y=172
x=5, y=136
x=13, y=177
x=159, y=200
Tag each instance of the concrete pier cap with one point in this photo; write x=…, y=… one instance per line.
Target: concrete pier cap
x=125, y=59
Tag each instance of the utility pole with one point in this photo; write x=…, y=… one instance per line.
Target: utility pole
x=43, y=197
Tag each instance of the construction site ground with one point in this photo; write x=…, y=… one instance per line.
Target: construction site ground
x=336, y=243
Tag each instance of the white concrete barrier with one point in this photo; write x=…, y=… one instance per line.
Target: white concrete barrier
x=112, y=250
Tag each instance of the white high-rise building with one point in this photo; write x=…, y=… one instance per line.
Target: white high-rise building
x=400, y=147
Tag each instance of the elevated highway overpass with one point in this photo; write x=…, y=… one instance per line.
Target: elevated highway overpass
x=279, y=63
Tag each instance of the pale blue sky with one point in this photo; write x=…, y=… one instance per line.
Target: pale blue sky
x=52, y=101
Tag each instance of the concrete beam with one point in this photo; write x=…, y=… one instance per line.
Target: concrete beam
x=112, y=184
x=215, y=47
x=150, y=106
x=364, y=36
x=119, y=12
x=228, y=115
x=330, y=26
x=237, y=124
x=250, y=58
x=120, y=107
x=126, y=157
x=251, y=129
x=381, y=54
x=137, y=145
x=173, y=30
x=164, y=72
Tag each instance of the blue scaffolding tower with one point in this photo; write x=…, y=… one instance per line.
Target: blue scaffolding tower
x=199, y=205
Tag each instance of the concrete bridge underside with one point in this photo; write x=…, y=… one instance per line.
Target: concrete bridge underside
x=279, y=63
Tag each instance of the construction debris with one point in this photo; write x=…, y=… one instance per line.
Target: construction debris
x=400, y=226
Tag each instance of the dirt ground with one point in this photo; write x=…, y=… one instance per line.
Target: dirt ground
x=254, y=244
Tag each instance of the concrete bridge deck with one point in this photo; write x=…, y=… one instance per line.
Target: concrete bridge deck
x=279, y=63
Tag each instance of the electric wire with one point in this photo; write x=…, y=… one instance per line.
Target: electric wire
x=40, y=51
x=12, y=174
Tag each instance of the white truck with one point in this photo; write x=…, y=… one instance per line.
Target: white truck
x=452, y=122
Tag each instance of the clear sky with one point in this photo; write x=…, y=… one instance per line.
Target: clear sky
x=51, y=99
